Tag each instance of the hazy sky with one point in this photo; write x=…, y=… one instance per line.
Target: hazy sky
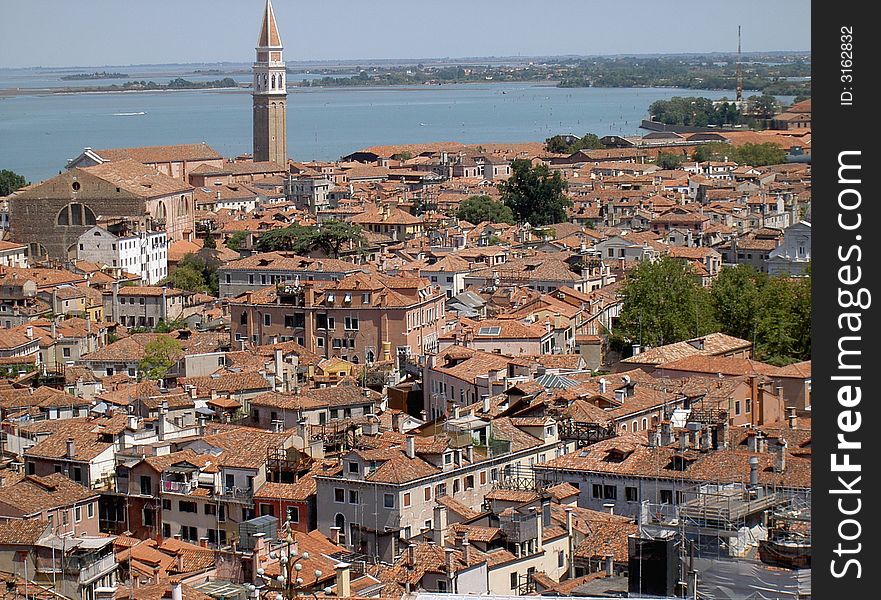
x=122, y=32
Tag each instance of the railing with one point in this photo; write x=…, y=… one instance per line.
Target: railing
x=177, y=487
x=237, y=493
x=105, y=564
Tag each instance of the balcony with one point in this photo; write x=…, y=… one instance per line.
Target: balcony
x=97, y=569
x=177, y=487
x=237, y=494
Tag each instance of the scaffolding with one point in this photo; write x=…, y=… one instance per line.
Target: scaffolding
x=724, y=520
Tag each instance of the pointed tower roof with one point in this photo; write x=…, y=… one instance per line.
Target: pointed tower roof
x=269, y=37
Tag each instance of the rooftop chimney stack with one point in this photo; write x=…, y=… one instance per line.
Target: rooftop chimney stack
x=602, y=385
x=610, y=565
x=780, y=452
x=683, y=440
x=791, y=417
x=176, y=590
x=411, y=446
x=411, y=556
x=440, y=525
x=753, y=471
x=343, y=580
x=486, y=405
x=71, y=448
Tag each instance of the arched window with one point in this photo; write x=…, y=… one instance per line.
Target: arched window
x=161, y=211
x=183, y=206
x=75, y=214
x=340, y=521
x=371, y=356
x=645, y=423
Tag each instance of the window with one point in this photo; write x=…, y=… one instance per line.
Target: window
x=210, y=509
x=469, y=482
x=441, y=586
x=561, y=559
x=267, y=509
x=737, y=407
x=75, y=214
x=749, y=405
x=353, y=496
x=455, y=486
x=406, y=499
x=427, y=493
x=596, y=491
x=666, y=496
x=78, y=474
x=166, y=504
x=514, y=580
x=631, y=494
x=267, y=320
x=294, y=514
x=188, y=507
x=77, y=514
x=388, y=500
x=440, y=490
x=351, y=323
x=166, y=530
x=354, y=468
x=483, y=478
x=427, y=525
x=339, y=495
x=494, y=475
x=90, y=510
x=65, y=352
x=146, y=485
x=610, y=492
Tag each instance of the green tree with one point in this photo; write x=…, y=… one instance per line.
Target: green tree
x=534, y=194
x=664, y=302
x=293, y=238
x=159, y=356
x=478, y=209
x=737, y=300
x=668, y=160
x=713, y=151
x=10, y=181
x=210, y=242
x=559, y=143
x=759, y=155
x=762, y=107
x=188, y=275
x=333, y=235
x=234, y=242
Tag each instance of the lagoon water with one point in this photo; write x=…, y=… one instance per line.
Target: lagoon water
x=40, y=131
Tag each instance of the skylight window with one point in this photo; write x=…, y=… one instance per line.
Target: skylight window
x=495, y=330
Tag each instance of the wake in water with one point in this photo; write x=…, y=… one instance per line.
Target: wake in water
x=130, y=114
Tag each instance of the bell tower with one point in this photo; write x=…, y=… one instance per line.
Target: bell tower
x=270, y=94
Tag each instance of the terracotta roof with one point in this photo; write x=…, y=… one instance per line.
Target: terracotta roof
x=138, y=178
x=160, y=154
x=33, y=494
x=22, y=533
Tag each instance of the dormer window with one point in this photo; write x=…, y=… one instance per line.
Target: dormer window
x=354, y=468
x=331, y=298
x=347, y=298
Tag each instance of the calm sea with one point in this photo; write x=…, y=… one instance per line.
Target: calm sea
x=39, y=132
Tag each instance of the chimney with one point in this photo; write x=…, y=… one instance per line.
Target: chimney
x=666, y=433
x=279, y=368
x=71, y=448
x=448, y=559
x=778, y=391
x=440, y=525
x=610, y=565
x=610, y=506
x=29, y=331
x=706, y=440
x=466, y=550
x=602, y=385
x=203, y=542
x=791, y=417
x=176, y=590
x=753, y=471
x=335, y=535
x=486, y=406
x=411, y=556
x=683, y=440
x=469, y=453
x=396, y=422
x=654, y=437
x=132, y=421
x=411, y=446
x=724, y=434
x=780, y=452
x=343, y=580
x=752, y=441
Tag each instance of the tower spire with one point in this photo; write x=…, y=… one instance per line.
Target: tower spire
x=270, y=93
x=269, y=37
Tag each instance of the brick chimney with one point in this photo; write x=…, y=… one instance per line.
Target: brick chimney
x=343, y=580
x=411, y=556
x=71, y=448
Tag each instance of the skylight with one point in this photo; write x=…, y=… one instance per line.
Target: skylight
x=495, y=330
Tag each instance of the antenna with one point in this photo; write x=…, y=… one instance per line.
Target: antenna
x=739, y=88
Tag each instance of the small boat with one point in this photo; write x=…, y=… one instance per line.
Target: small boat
x=129, y=114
